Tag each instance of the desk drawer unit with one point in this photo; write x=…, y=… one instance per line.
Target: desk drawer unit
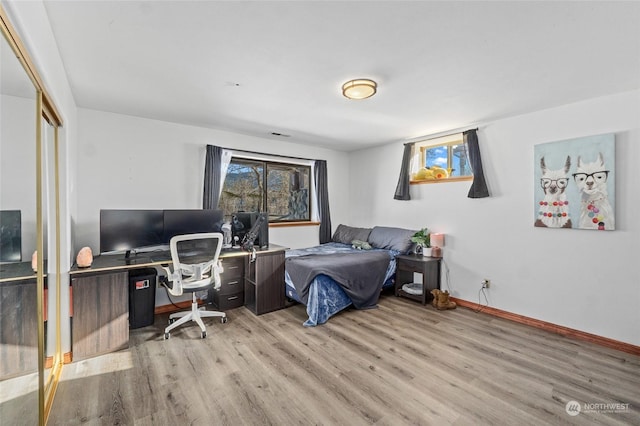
x=231, y=292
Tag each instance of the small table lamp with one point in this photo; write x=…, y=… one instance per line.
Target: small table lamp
x=437, y=242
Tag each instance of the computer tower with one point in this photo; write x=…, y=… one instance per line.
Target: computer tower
x=263, y=231
x=142, y=297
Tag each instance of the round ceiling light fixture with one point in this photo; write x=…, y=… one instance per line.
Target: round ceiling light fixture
x=359, y=89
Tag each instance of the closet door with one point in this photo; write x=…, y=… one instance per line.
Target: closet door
x=19, y=309
x=29, y=191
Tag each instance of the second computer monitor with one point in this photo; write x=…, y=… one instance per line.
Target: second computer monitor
x=180, y=222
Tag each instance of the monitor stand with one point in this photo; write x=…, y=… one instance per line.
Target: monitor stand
x=128, y=259
x=132, y=260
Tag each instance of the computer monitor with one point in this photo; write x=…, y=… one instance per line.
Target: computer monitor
x=191, y=221
x=126, y=230
x=10, y=236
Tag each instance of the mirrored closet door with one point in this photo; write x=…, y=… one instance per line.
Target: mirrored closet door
x=19, y=386
x=30, y=354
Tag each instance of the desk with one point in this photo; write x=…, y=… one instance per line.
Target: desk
x=18, y=320
x=264, y=287
x=100, y=307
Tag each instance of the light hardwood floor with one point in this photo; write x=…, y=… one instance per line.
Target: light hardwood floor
x=400, y=364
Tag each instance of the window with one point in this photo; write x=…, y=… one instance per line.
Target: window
x=442, y=159
x=280, y=189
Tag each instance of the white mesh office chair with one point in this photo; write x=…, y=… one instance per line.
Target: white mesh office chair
x=196, y=267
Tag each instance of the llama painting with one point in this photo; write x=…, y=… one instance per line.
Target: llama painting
x=554, y=207
x=575, y=183
x=595, y=210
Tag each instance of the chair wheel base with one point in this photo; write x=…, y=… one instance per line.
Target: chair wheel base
x=204, y=334
x=224, y=320
x=166, y=336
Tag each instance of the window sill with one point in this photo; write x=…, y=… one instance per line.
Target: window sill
x=287, y=224
x=451, y=179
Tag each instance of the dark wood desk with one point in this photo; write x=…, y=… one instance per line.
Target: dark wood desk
x=100, y=293
x=264, y=288
x=17, y=271
x=18, y=320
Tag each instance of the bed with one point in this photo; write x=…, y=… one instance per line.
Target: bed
x=351, y=270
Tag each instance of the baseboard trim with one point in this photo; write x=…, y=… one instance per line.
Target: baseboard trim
x=178, y=306
x=67, y=358
x=554, y=328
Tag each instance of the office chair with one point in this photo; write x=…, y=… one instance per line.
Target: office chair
x=196, y=268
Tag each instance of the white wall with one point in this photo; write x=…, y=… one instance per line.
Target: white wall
x=136, y=163
x=585, y=280
x=32, y=23
x=18, y=165
x=126, y=162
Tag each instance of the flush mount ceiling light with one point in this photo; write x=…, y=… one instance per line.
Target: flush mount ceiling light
x=359, y=89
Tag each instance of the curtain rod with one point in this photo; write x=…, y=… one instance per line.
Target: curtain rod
x=437, y=136
x=270, y=155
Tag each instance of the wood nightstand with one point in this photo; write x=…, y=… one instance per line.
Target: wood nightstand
x=429, y=267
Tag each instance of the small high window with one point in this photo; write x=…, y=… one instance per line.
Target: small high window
x=441, y=160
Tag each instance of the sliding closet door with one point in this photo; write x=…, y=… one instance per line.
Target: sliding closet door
x=19, y=378
x=30, y=360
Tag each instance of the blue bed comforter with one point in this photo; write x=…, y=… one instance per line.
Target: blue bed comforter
x=325, y=296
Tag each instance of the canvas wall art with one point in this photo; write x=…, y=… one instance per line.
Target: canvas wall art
x=574, y=183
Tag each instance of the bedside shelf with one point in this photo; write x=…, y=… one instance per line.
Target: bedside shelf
x=428, y=267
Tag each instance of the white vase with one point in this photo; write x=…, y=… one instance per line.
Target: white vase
x=426, y=251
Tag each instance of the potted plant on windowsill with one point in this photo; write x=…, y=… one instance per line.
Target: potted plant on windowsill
x=423, y=239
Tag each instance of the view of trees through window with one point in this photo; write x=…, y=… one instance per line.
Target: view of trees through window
x=280, y=189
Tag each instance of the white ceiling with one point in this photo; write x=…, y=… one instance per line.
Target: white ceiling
x=262, y=67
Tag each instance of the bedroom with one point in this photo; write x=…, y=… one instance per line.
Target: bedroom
x=558, y=277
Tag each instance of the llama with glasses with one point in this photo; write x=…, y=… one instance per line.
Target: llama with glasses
x=595, y=210
x=553, y=209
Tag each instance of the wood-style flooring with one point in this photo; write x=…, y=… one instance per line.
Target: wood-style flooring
x=400, y=364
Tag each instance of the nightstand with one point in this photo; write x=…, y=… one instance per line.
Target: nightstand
x=429, y=267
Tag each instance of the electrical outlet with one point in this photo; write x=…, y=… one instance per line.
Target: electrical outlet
x=486, y=283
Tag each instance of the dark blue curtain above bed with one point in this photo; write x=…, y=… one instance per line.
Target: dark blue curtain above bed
x=322, y=191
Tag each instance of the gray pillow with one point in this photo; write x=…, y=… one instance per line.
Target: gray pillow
x=346, y=234
x=391, y=238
